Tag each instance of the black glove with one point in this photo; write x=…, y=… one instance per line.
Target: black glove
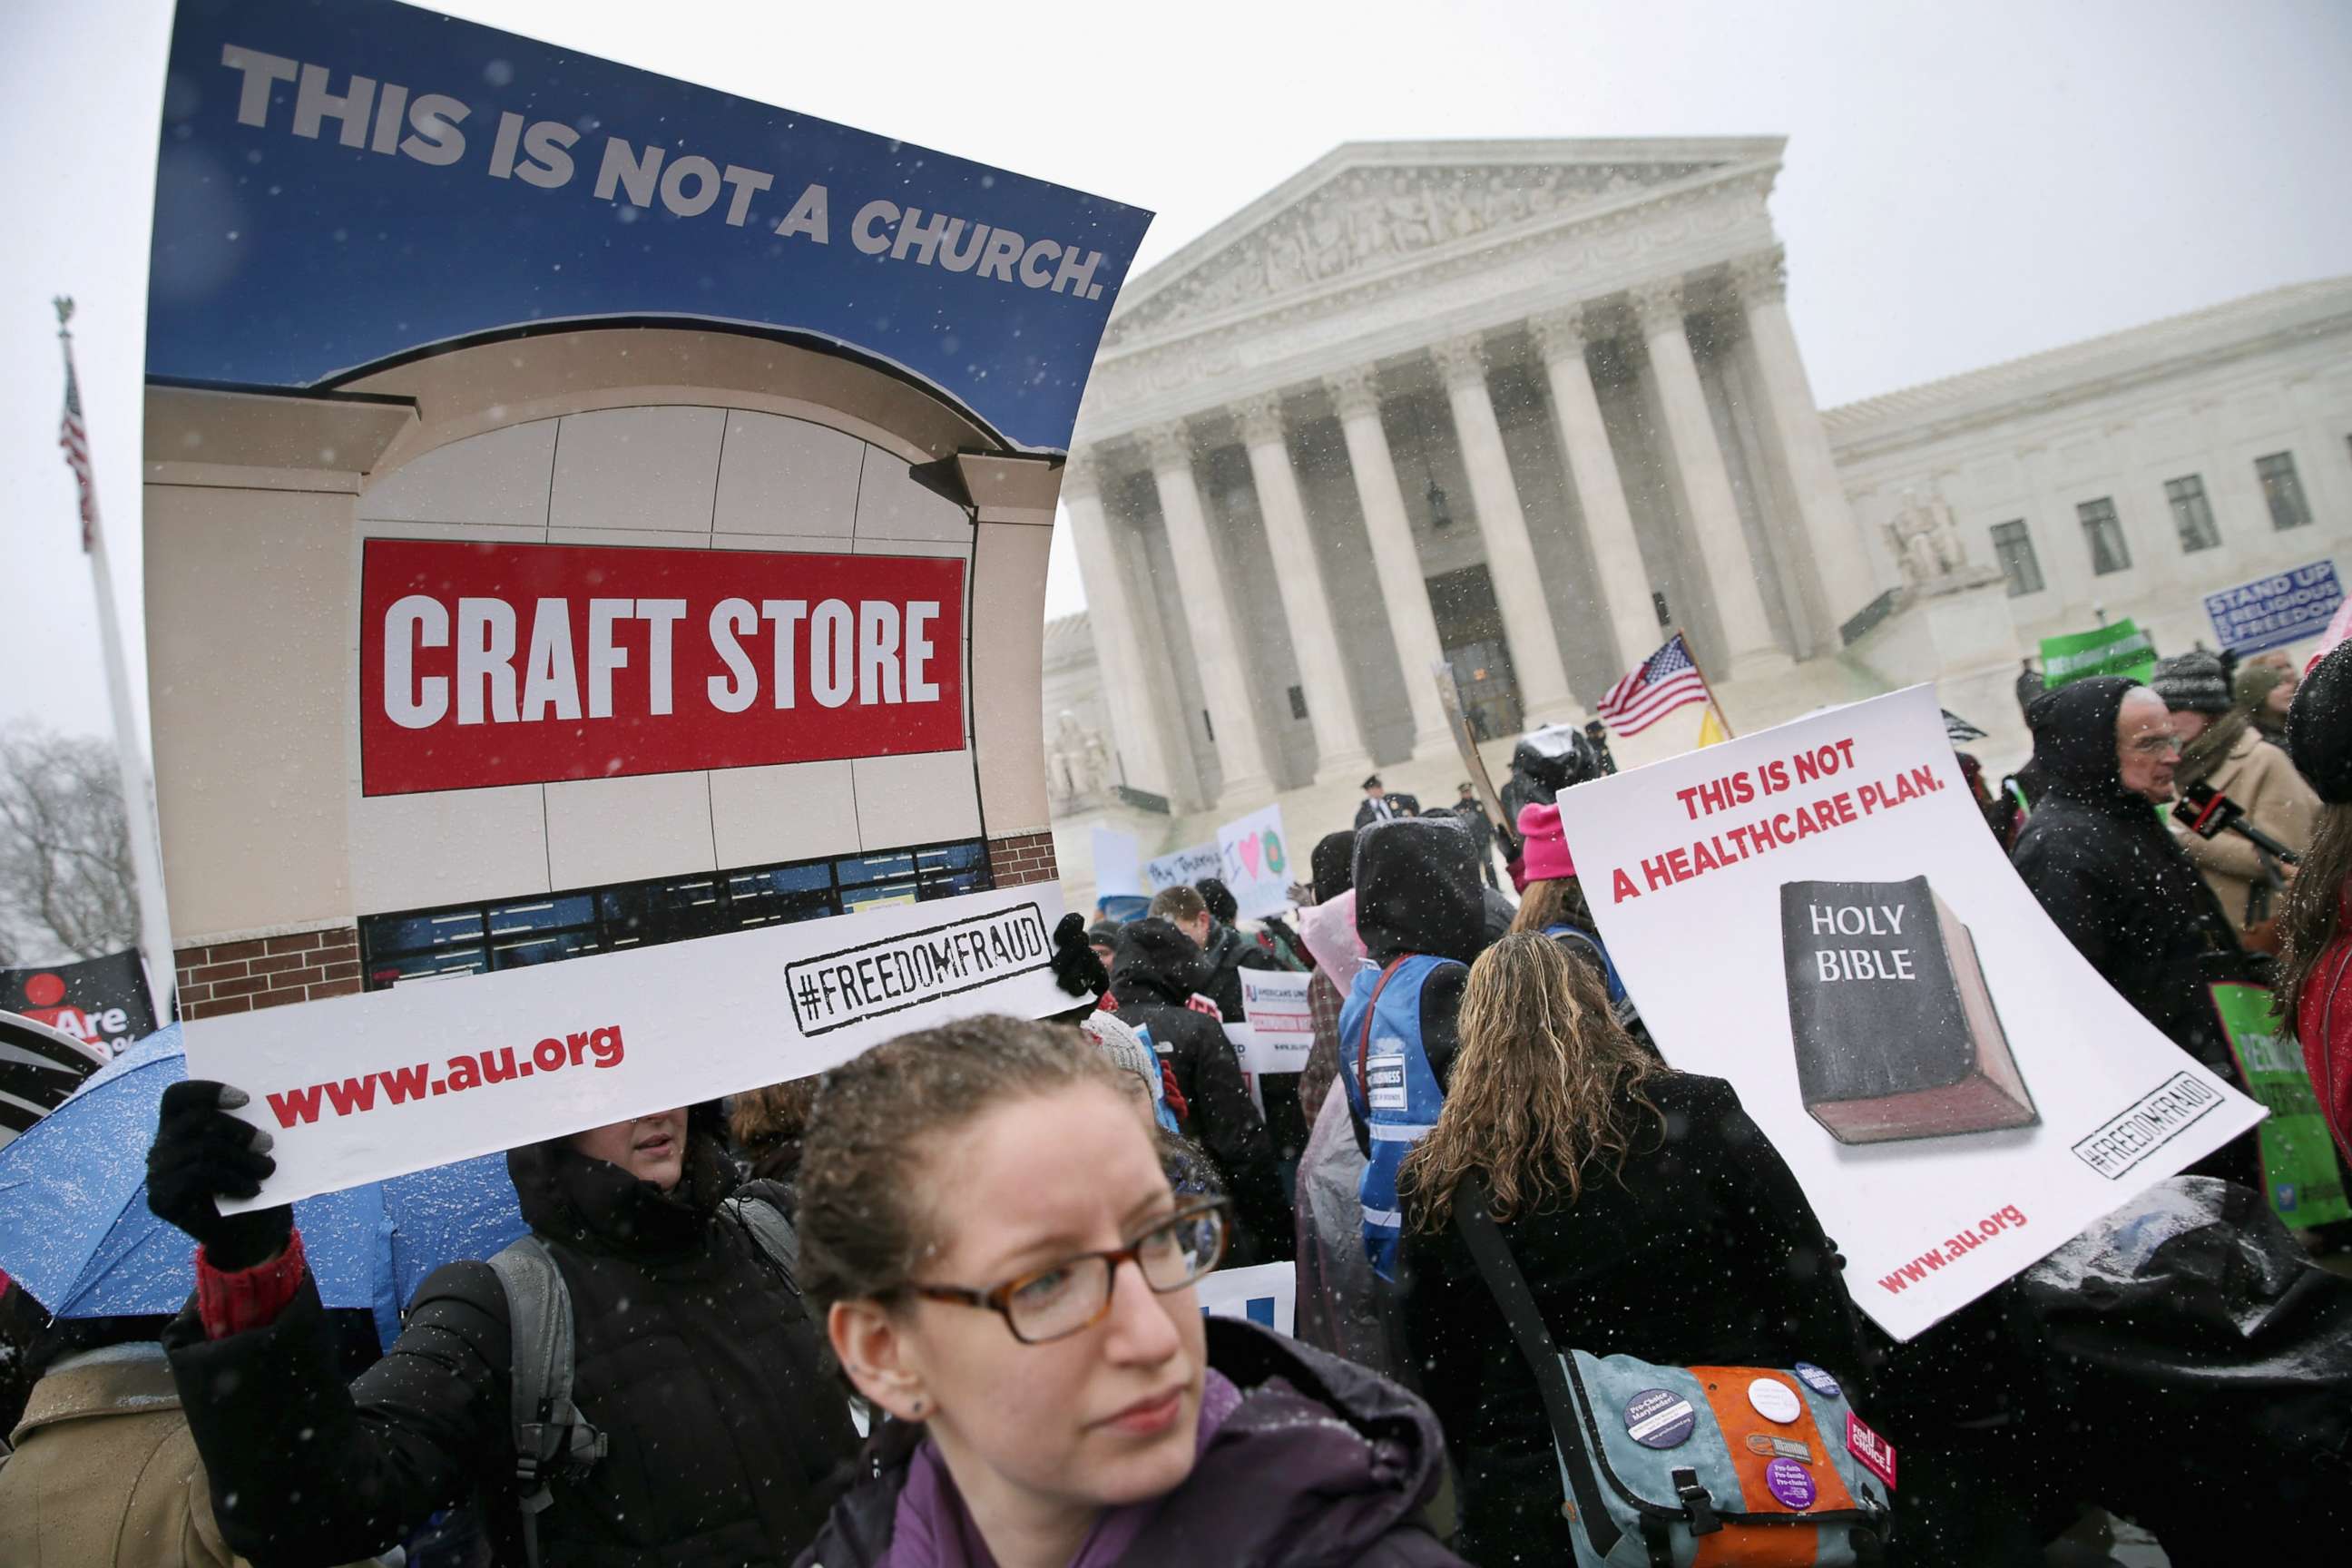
x=1077, y=968
x=201, y=1153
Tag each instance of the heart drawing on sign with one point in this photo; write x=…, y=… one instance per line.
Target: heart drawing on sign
x=1248, y=846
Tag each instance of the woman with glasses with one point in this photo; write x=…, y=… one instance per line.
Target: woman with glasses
x=1007, y=1276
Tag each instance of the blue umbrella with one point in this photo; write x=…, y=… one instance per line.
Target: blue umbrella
x=75, y=1230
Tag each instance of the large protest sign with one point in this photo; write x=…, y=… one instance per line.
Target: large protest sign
x=1817, y=913
x=2271, y=612
x=1256, y=863
x=569, y=490
x=2119, y=649
x=351, y=1085
x=102, y=1001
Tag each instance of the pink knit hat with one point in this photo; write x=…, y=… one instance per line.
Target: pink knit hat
x=1548, y=860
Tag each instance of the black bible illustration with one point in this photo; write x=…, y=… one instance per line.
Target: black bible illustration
x=1895, y=1030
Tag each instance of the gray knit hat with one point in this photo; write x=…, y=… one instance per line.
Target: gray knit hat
x=2192, y=683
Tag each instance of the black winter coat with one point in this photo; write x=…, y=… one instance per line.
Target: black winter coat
x=1704, y=1253
x=693, y=1356
x=1325, y=1465
x=1158, y=968
x=2113, y=877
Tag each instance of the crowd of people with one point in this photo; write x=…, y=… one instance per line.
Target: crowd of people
x=937, y=1306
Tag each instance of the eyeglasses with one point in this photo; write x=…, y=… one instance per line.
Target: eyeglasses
x=2155, y=745
x=1062, y=1299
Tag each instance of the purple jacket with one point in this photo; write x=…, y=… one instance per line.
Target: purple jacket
x=1321, y=1463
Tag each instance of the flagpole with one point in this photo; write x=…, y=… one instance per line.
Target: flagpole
x=1720, y=716
x=130, y=760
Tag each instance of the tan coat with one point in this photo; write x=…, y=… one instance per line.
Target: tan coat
x=105, y=1471
x=2260, y=777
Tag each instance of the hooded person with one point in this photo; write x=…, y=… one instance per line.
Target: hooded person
x=1420, y=912
x=692, y=1355
x=2221, y=748
x=2110, y=876
x=1155, y=981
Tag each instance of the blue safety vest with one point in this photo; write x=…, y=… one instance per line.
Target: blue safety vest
x=1390, y=1086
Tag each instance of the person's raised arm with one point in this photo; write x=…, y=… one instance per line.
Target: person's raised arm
x=302, y=1468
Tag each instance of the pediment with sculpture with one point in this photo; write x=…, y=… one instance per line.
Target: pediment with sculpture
x=1364, y=217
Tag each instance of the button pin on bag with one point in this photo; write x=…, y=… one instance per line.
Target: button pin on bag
x=1790, y=1482
x=1659, y=1418
x=1774, y=1400
x=1820, y=1382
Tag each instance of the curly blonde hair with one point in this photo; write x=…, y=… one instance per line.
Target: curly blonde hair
x=1545, y=1082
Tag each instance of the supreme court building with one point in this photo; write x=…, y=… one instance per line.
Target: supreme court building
x=1521, y=407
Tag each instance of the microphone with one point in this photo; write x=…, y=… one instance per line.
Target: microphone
x=2208, y=813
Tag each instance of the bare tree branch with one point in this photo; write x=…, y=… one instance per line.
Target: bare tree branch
x=65, y=845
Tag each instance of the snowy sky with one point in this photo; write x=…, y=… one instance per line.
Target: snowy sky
x=1964, y=182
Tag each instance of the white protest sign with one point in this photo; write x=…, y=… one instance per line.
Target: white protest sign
x=1266, y=1294
x=1256, y=863
x=1818, y=914
x=1117, y=873
x=1183, y=868
x=355, y=1088
x=1280, y=1027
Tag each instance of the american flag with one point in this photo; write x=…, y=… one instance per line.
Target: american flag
x=75, y=439
x=1665, y=680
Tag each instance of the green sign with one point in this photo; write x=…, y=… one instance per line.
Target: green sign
x=2118, y=650
x=2299, y=1171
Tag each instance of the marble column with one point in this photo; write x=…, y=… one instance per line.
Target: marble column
x=1511, y=564
x=1356, y=395
x=1840, y=560
x=1217, y=649
x=1340, y=756
x=1624, y=581
x=1705, y=483
x=1137, y=723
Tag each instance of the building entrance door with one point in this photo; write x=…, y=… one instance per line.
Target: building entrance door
x=1470, y=629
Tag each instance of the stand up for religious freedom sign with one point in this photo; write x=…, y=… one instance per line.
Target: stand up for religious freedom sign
x=1817, y=913
x=2272, y=612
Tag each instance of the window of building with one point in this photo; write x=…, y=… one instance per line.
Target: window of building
x=2103, y=531
x=2282, y=488
x=471, y=939
x=1298, y=702
x=2192, y=515
x=2012, y=546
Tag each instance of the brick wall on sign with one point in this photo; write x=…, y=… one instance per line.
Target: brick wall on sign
x=1022, y=857
x=267, y=972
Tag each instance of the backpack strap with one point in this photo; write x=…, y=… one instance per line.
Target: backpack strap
x=1473, y=1203
x=551, y=1437
x=771, y=1232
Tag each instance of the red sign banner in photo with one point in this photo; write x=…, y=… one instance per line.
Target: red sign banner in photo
x=486, y=664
